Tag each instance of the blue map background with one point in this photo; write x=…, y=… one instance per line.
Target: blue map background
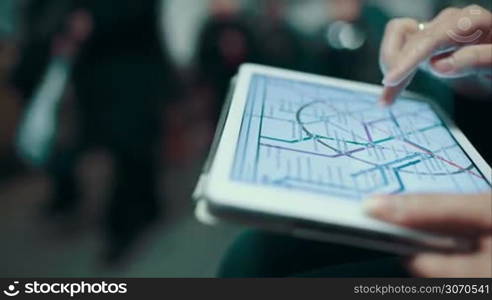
x=325, y=139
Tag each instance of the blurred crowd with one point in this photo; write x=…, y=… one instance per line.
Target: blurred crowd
x=124, y=89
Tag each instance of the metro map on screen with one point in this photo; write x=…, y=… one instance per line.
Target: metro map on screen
x=324, y=139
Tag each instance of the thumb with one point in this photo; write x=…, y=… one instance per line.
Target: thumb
x=466, y=214
x=475, y=264
x=463, y=62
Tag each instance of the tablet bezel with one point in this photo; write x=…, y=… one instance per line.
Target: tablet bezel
x=222, y=191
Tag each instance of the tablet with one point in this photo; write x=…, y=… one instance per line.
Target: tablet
x=299, y=153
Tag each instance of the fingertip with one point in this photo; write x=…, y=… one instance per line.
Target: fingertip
x=429, y=264
x=391, y=93
x=384, y=102
x=419, y=265
x=387, y=97
x=395, y=77
x=378, y=206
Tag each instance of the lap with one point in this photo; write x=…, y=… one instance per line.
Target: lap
x=264, y=254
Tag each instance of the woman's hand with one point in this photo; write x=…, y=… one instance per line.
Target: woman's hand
x=469, y=215
x=457, y=43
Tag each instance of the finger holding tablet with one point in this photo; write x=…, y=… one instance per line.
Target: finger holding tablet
x=475, y=264
x=469, y=215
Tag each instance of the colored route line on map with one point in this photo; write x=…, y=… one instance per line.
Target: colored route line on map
x=369, y=138
x=370, y=143
x=345, y=145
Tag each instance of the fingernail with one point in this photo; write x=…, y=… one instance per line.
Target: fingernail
x=392, y=79
x=379, y=206
x=445, y=65
x=375, y=203
x=384, y=99
x=387, y=81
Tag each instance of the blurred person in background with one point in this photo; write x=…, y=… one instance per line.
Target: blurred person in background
x=350, y=37
x=281, y=45
x=121, y=78
x=225, y=42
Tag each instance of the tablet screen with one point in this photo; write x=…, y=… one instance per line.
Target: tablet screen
x=325, y=139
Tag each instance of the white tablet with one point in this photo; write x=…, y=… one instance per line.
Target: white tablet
x=299, y=153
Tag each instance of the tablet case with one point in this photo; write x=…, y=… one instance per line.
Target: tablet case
x=202, y=211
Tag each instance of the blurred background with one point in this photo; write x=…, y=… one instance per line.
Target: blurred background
x=107, y=110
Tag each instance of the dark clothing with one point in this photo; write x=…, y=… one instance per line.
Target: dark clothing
x=224, y=44
x=263, y=254
x=120, y=112
x=121, y=79
x=122, y=28
x=473, y=117
x=281, y=45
